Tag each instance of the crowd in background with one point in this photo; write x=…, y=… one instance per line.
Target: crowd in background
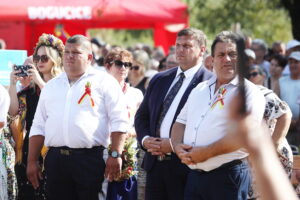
x=276, y=69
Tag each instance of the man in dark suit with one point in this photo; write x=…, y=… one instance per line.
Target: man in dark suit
x=165, y=96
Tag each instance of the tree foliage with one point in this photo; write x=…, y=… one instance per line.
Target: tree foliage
x=265, y=19
x=123, y=38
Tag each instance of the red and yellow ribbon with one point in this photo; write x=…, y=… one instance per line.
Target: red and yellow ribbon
x=87, y=93
x=220, y=98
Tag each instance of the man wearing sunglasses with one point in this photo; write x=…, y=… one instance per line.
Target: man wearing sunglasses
x=75, y=114
x=164, y=98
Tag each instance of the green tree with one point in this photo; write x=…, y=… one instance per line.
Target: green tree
x=264, y=19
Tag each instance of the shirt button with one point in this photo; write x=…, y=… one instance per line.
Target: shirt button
x=202, y=116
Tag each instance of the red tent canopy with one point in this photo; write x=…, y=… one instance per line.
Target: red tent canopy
x=22, y=22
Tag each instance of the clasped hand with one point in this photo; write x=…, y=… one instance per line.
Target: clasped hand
x=157, y=146
x=190, y=155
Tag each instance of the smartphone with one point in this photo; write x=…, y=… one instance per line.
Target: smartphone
x=23, y=70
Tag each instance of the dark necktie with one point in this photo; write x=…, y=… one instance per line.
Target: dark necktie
x=168, y=101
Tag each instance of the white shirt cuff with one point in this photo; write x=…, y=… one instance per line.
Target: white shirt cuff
x=144, y=140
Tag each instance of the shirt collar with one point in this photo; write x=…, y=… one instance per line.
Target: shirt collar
x=190, y=72
x=90, y=70
x=213, y=80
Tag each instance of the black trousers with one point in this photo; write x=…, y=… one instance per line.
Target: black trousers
x=74, y=174
x=166, y=180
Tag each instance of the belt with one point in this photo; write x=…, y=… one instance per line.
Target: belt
x=164, y=157
x=64, y=150
x=225, y=166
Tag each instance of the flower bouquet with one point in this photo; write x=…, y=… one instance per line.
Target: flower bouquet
x=129, y=159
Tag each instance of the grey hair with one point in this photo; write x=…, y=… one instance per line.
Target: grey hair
x=261, y=43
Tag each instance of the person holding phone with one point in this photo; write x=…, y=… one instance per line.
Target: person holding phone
x=47, y=63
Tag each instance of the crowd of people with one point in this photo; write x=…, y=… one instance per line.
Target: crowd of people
x=86, y=120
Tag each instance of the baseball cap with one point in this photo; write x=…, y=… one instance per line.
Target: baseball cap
x=295, y=55
x=250, y=53
x=292, y=44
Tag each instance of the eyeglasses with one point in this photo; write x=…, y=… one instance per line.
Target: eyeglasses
x=120, y=64
x=135, y=68
x=42, y=58
x=254, y=74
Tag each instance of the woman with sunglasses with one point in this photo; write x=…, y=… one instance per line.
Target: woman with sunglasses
x=117, y=63
x=278, y=118
x=136, y=76
x=47, y=59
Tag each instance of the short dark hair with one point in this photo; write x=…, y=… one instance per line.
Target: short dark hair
x=81, y=40
x=196, y=34
x=226, y=37
x=281, y=60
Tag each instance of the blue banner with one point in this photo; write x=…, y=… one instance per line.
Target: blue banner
x=7, y=59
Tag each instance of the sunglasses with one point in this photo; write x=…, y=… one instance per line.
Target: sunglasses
x=254, y=74
x=135, y=68
x=42, y=58
x=120, y=64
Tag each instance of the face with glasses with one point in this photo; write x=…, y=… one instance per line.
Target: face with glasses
x=119, y=68
x=42, y=61
x=224, y=61
x=256, y=77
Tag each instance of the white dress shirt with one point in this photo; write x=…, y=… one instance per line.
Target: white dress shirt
x=4, y=104
x=66, y=122
x=206, y=124
x=167, y=121
x=133, y=98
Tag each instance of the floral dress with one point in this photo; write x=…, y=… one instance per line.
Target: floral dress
x=274, y=109
x=8, y=163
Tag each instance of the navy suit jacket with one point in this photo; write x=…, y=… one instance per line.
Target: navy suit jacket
x=148, y=113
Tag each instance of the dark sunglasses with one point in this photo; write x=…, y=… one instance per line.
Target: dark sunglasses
x=120, y=64
x=254, y=74
x=42, y=58
x=135, y=68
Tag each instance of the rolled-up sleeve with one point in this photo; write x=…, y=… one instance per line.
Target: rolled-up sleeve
x=39, y=121
x=116, y=106
x=182, y=117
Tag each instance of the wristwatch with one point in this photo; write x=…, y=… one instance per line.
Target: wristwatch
x=115, y=154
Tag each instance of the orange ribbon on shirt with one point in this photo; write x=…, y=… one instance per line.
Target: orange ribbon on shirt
x=87, y=93
x=220, y=98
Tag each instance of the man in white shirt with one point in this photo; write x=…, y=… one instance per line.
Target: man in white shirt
x=164, y=98
x=290, y=93
x=75, y=114
x=219, y=169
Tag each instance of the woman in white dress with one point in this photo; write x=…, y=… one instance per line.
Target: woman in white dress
x=117, y=63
